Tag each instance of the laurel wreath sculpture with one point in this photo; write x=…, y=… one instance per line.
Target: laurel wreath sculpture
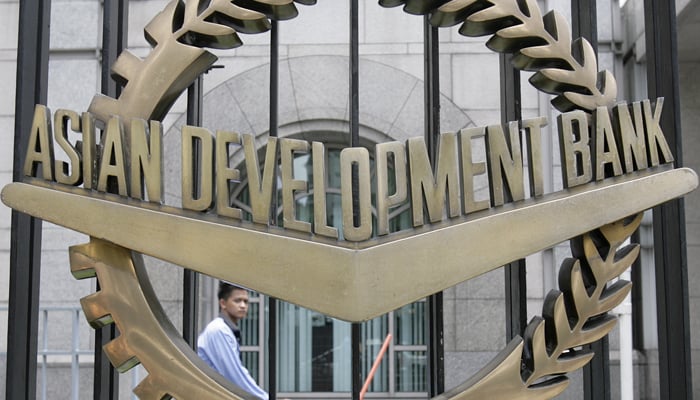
x=543, y=44
x=532, y=367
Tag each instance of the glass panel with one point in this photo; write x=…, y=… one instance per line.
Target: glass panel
x=411, y=371
x=314, y=351
x=374, y=333
x=410, y=324
x=250, y=326
x=250, y=361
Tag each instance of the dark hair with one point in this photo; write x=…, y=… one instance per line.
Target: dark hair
x=225, y=290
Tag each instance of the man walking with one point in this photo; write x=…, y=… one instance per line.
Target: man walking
x=219, y=344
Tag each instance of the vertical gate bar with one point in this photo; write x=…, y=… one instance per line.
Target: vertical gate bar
x=584, y=21
x=44, y=352
x=669, y=219
x=274, y=122
x=190, y=279
x=25, y=235
x=75, y=355
x=435, y=333
x=596, y=374
x=354, y=72
x=354, y=75
x=114, y=40
x=515, y=282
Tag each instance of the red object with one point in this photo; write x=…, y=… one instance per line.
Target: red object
x=377, y=361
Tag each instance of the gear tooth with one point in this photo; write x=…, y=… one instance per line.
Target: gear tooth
x=81, y=265
x=125, y=67
x=120, y=354
x=95, y=313
x=148, y=389
x=103, y=107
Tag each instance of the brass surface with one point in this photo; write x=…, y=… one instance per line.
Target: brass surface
x=179, y=35
x=632, y=137
x=470, y=169
x=260, y=189
x=341, y=279
x=146, y=335
x=542, y=43
x=62, y=120
x=385, y=200
x=505, y=164
x=39, y=148
x=290, y=186
x=533, y=136
x=345, y=275
x=356, y=158
x=576, y=161
x=112, y=170
x=321, y=227
x=428, y=191
x=225, y=174
x=146, y=165
x=197, y=191
x=534, y=367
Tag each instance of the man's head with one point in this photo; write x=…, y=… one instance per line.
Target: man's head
x=233, y=300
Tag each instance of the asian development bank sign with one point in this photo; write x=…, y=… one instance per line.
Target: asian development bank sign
x=615, y=164
x=592, y=148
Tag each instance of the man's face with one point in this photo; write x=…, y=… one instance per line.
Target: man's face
x=236, y=305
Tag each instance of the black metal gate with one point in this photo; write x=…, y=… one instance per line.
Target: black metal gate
x=669, y=228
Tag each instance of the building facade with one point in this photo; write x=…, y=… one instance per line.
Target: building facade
x=313, y=350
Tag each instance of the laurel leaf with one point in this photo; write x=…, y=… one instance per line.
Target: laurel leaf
x=619, y=231
x=547, y=389
x=613, y=295
x=274, y=9
x=191, y=10
x=495, y=12
x=565, y=68
x=453, y=12
x=239, y=18
x=160, y=28
x=596, y=329
x=490, y=20
x=576, y=316
x=216, y=31
x=623, y=259
x=574, y=360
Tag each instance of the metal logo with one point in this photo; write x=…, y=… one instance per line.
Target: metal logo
x=609, y=152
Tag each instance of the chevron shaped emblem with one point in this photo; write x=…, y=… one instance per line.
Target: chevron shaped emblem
x=615, y=164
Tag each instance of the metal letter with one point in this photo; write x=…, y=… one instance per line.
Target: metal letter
x=67, y=173
x=348, y=157
x=470, y=169
x=260, y=192
x=225, y=174
x=505, y=160
x=605, y=139
x=433, y=187
x=291, y=185
x=146, y=160
x=88, y=150
x=203, y=200
x=40, y=145
x=632, y=139
x=318, y=152
x=655, y=137
x=112, y=161
x=576, y=170
x=533, y=135
x=384, y=200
